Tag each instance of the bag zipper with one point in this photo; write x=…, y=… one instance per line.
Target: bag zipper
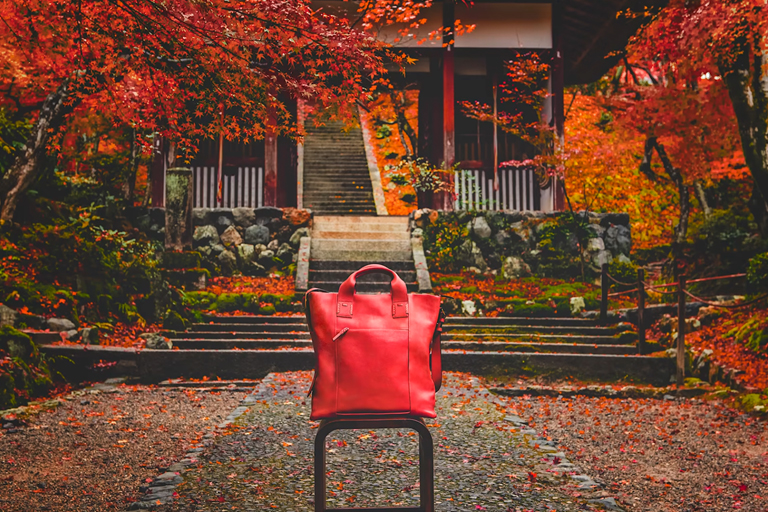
x=341, y=333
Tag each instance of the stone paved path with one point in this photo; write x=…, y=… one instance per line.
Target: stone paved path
x=485, y=459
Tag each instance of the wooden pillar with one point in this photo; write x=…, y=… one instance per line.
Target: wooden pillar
x=270, y=162
x=558, y=92
x=449, y=107
x=157, y=172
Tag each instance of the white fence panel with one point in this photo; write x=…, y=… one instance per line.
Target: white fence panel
x=244, y=188
x=517, y=190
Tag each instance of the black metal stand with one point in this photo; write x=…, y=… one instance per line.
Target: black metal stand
x=426, y=460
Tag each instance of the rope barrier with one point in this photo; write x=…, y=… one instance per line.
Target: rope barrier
x=622, y=293
x=619, y=282
x=725, y=306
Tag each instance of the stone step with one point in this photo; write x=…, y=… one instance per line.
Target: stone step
x=342, y=275
x=353, y=266
x=364, y=288
x=403, y=246
x=506, y=320
x=366, y=256
x=158, y=365
x=522, y=328
x=256, y=344
x=384, y=219
x=361, y=235
x=370, y=225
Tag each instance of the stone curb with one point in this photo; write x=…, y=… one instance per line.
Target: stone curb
x=420, y=262
x=302, y=264
x=373, y=168
x=161, y=489
x=629, y=392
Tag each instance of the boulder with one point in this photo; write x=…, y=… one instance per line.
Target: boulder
x=217, y=249
x=417, y=233
x=7, y=316
x=622, y=258
x=468, y=307
x=72, y=335
x=481, y=228
x=245, y=253
x=577, y=305
x=514, y=267
x=618, y=239
x=257, y=234
x=602, y=257
x=90, y=335
x=709, y=314
x=285, y=253
x=265, y=214
x=477, y=258
x=296, y=217
x=60, y=324
x=521, y=231
x=503, y=238
x=244, y=217
x=273, y=245
x=228, y=262
x=230, y=238
x=614, y=219
x=200, y=216
x=156, y=341
x=595, y=245
x=205, y=235
x=597, y=230
x=296, y=237
x=265, y=258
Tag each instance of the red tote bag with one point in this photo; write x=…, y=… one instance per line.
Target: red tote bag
x=377, y=355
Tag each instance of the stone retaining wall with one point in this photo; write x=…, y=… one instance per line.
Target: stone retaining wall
x=519, y=244
x=249, y=240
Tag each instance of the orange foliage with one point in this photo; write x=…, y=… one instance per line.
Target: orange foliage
x=283, y=285
x=602, y=174
x=382, y=108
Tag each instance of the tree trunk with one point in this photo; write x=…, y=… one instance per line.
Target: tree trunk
x=130, y=183
x=404, y=127
x=26, y=167
x=746, y=77
x=701, y=195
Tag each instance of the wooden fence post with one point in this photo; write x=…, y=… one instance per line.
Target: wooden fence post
x=604, y=288
x=641, y=310
x=681, y=330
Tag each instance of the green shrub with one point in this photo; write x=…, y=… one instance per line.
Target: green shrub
x=623, y=271
x=533, y=310
x=269, y=309
x=271, y=298
x=228, y=302
x=757, y=273
x=198, y=300
x=24, y=372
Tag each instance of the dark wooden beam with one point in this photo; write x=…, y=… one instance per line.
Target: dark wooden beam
x=270, y=163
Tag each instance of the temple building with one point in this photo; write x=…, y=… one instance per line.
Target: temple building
x=331, y=172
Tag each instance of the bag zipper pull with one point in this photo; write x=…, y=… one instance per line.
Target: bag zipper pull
x=341, y=333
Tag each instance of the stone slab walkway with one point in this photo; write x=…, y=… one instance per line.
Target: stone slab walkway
x=485, y=459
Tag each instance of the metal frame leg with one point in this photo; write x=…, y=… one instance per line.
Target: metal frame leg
x=426, y=460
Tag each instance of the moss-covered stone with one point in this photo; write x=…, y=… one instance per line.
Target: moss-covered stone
x=533, y=310
x=174, y=322
x=198, y=300
x=16, y=343
x=228, y=302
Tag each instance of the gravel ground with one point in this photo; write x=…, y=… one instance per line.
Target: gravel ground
x=483, y=461
x=660, y=455
x=94, y=450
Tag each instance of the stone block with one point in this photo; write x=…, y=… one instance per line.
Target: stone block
x=205, y=235
x=8, y=316
x=60, y=324
x=618, y=239
x=231, y=238
x=244, y=217
x=258, y=234
x=480, y=227
x=296, y=237
x=515, y=268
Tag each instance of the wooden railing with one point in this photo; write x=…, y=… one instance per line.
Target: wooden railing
x=679, y=290
x=241, y=187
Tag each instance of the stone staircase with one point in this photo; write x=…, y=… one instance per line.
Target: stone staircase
x=471, y=334
x=336, y=176
x=344, y=244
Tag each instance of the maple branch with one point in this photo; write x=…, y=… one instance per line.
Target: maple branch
x=631, y=71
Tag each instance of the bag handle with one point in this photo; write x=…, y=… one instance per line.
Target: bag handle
x=399, y=292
